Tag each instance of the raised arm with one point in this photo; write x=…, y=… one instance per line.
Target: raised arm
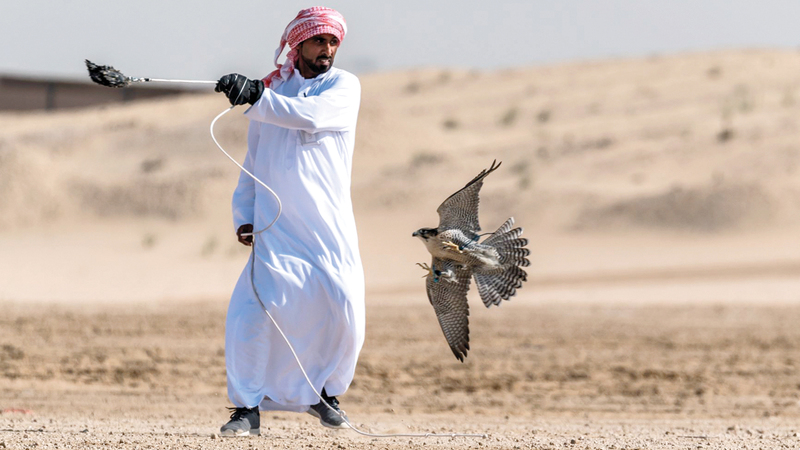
x=335, y=109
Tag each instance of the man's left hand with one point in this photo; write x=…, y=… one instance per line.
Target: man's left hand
x=239, y=89
x=248, y=229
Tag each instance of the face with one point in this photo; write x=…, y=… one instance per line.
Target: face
x=317, y=54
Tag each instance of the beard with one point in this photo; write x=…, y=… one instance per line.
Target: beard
x=318, y=65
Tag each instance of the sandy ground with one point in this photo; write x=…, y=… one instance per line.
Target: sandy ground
x=574, y=375
x=660, y=197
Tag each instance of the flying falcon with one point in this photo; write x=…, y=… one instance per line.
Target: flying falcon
x=495, y=263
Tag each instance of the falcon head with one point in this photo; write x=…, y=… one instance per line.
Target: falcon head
x=425, y=233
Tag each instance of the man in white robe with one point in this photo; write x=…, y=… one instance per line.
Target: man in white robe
x=306, y=269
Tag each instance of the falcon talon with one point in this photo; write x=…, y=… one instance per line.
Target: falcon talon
x=427, y=268
x=452, y=246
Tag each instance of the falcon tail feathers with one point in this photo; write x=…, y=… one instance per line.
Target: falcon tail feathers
x=496, y=287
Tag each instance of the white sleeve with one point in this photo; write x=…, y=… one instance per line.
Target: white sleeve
x=335, y=109
x=244, y=195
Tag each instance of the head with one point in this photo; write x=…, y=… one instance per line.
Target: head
x=425, y=233
x=316, y=54
x=306, y=35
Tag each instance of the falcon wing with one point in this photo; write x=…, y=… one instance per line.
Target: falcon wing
x=460, y=210
x=448, y=295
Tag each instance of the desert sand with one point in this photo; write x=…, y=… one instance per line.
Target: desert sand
x=660, y=197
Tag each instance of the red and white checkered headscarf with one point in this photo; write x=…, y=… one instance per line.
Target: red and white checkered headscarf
x=308, y=23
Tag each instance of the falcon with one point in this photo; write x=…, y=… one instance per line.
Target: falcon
x=496, y=263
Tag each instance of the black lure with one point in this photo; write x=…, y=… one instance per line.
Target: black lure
x=107, y=75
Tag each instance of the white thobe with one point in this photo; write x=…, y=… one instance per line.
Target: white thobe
x=307, y=268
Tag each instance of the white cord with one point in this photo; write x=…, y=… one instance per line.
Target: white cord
x=252, y=281
x=164, y=80
x=277, y=199
x=181, y=81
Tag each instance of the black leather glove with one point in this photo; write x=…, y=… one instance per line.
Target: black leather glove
x=239, y=89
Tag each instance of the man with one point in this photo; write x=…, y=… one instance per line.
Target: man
x=305, y=269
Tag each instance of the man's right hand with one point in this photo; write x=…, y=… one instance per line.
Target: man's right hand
x=239, y=89
x=245, y=240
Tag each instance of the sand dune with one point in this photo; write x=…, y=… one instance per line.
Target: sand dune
x=679, y=149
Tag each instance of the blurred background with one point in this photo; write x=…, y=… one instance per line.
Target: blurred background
x=204, y=39
x=641, y=141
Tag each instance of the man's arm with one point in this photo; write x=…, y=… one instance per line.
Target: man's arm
x=335, y=109
x=243, y=202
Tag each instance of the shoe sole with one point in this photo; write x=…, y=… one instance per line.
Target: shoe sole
x=241, y=433
x=342, y=426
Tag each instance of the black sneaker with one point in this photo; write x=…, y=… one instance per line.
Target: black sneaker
x=326, y=416
x=244, y=422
